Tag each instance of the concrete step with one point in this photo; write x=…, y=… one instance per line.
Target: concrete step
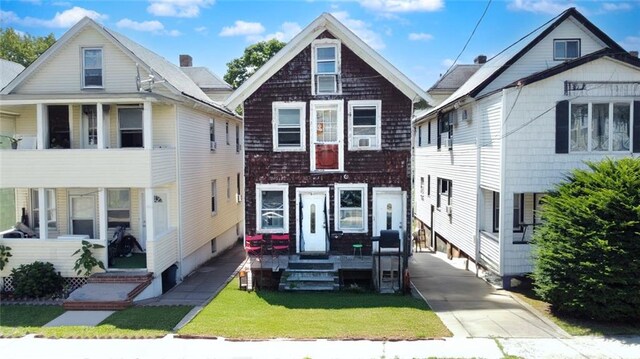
x=321, y=265
x=309, y=286
x=108, y=292
x=310, y=276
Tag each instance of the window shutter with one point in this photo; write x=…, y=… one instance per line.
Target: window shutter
x=562, y=127
x=636, y=127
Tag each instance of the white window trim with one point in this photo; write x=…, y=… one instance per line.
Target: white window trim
x=81, y=193
x=320, y=105
x=212, y=131
x=278, y=105
x=214, y=196
x=285, y=198
x=366, y=103
x=565, y=58
x=119, y=134
x=109, y=190
x=101, y=69
x=326, y=43
x=610, y=101
x=365, y=210
x=51, y=207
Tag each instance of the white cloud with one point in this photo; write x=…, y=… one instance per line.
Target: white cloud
x=610, y=7
x=420, y=36
x=362, y=29
x=553, y=7
x=148, y=26
x=201, y=29
x=399, y=6
x=631, y=43
x=287, y=31
x=242, y=28
x=178, y=8
x=155, y=27
x=63, y=19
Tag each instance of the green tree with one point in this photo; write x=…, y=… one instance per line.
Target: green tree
x=254, y=56
x=587, y=252
x=23, y=49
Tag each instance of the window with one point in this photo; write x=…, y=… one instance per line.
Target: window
x=566, y=49
x=351, y=208
x=496, y=212
x=214, y=196
x=272, y=208
x=422, y=188
x=444, y=192
x=600, y=127
x=445, y=130
x=419, y=136
x=289, y=126
x=90, y=124
x=130, y=121
x=364, y=125
x=118, y=208
x=238, y=193
x=226, y=129
x=237, y=139
x=518, y=212
x=51, y=208
x=429, y=133
x=214, y=245
x=327, y=151
x=228, y=188
x=428, y=185
x=326, y=66
x=92, y=67
x=212, y=135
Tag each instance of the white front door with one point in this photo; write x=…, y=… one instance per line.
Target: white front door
x=389, y=211
x=160, y=214
x=312, y=217
x=143, y=221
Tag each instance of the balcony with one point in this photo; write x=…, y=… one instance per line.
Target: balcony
x=122, y=167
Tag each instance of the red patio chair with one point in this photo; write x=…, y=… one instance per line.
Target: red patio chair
x=280, y=244
x=253, y=244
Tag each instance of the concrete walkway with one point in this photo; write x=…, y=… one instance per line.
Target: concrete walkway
x=469, y=306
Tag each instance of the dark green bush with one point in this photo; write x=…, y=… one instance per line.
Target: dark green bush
x=36, y=280
x=587, y=252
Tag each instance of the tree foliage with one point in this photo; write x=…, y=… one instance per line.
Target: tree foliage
x=23, y=49
x=254, y=56
x=587, y=252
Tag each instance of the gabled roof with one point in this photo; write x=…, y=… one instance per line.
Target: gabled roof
x=304, y=38
x=501, y=62
x=176, y=80
x=454, y=78
x=205, y=79
x=8, y=71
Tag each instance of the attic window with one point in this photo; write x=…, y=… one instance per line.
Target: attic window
x=566, y=49
x=92, y=67
x=326, y=66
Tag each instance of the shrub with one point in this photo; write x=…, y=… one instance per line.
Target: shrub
x=5, y=253
x=587, y=252
x=86, y=261
x=36, y=280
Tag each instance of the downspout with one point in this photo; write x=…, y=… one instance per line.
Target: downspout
x=179, y=188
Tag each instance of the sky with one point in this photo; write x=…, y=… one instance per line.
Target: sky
x=422, y=38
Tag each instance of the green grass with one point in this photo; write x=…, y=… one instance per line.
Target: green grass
x=20, y=320
x=135, y=322
x=575, y=326
x=261, y=315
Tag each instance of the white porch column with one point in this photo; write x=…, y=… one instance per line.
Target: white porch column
x=100, y=120
x=147, y=129
x=149, y=196
x=41, y=126
x=42, y=213
x=102, y=214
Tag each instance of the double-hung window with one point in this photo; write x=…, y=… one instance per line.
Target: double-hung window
x=600, y=126
x=326, y=66
x=212, y=135
x=214, y=196
x=272, y=208
x=130, y=122
x=445, y=129
x=289, y=120
x=118, y=208
x=364, y=125
x=237, y=138
x=51, y=208
x=351, y=208
x=518, y=212
x=496, y=212
x=566, y=49
x=92, y=67
x=444, y=192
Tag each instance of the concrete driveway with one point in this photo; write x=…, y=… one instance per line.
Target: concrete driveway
x=469, y=306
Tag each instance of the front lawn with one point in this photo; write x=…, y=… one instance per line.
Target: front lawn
x=239, y=314
x=574, y=326
x=135, y=322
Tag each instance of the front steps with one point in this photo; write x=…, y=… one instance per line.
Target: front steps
x=108, y=291
x=310, y=275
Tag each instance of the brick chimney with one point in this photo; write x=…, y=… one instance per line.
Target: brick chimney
x=481, y=59
x=186, y=61
x=633, y=53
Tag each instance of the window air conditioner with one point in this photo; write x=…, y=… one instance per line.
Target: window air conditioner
x=212, y=145
x=363, y=142
x=326, y=84
x=238, y=198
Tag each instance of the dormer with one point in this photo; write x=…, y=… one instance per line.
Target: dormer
x=325, y=67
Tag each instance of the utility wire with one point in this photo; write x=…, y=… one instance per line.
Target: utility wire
x=470, y=36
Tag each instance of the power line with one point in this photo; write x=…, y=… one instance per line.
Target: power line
x=470, y=36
